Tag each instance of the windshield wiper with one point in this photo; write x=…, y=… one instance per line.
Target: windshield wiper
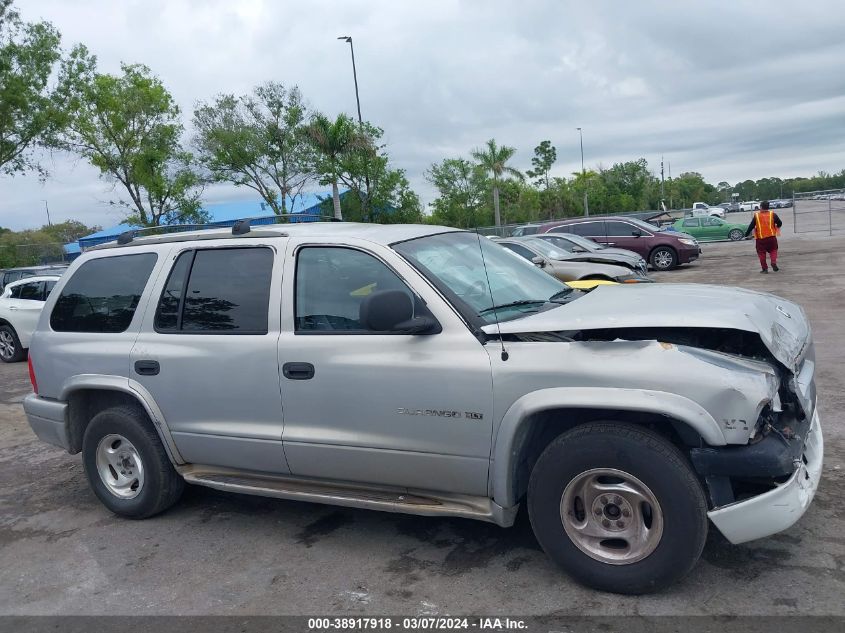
x=560, y=294
x=513, y=304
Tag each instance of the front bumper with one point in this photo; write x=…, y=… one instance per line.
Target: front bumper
x=689, y=254
x=48, y=419
x=779, y=508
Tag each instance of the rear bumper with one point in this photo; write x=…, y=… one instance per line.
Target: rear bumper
x=779, y=508
x=48, y=419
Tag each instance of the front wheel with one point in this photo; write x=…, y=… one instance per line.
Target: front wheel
x=736, y=235
x=664, y=258
x=618, y=508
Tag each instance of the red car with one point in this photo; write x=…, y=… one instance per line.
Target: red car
x=664, y=250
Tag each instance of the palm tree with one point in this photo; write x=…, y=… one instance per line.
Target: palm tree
x=333, y=140
x=494, y=160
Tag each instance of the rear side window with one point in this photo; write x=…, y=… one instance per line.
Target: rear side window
x=103, y=294
x=589, y=229
x=33, y=291
x=620, y=229
x=224, y=290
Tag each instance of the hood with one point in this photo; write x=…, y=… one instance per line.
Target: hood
x=782, y=325
x=602, y=257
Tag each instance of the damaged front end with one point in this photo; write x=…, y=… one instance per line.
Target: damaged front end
x=752, y=369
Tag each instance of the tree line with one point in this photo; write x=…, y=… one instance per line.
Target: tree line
x=128, y=126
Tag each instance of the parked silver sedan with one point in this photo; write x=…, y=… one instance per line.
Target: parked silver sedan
x=565, y=265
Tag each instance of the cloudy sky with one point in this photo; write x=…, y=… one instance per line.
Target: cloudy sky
x=733, y=89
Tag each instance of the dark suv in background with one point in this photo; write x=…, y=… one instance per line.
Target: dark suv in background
x=664, y=250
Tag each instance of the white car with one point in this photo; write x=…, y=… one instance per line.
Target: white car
x=752, y=205
x=20, y=307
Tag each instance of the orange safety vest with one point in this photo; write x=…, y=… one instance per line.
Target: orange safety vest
x=765, y=226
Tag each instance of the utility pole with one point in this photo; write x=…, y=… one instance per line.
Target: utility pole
x=49, y=223
x=584, y=173
x=662, y=182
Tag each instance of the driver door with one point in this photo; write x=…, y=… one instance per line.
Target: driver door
x=381, y=408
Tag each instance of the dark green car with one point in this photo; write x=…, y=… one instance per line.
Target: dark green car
x=709, y=229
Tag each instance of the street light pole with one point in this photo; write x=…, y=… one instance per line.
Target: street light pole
x=583, y=173
x=348, y=38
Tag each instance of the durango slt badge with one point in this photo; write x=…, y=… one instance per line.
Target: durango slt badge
x=441, y=413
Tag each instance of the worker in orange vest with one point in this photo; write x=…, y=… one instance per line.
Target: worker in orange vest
x=766, y=227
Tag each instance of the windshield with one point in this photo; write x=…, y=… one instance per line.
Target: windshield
x=643, y=225
x=585, y=242
x=453, y=262
x=546, y=249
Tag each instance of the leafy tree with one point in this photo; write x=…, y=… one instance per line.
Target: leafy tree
x=389, y=200
x=38, y=246
x=493, y=159
x=334, y=141
x=258, y=141
x=545, y=156
x=28, y=53
x=128, y=126
x=461, y=188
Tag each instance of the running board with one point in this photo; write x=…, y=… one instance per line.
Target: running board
x=349, y=495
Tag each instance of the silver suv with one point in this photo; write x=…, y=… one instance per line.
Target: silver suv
x=426, y=370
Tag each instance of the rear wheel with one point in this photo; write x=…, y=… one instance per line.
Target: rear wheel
x=10, y=345
x=126, y=464
x=618, y=508
x=736, y=235
x=664, y=258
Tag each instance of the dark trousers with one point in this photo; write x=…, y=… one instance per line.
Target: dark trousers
x=767, y=245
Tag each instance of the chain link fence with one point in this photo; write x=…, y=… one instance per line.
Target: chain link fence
x=15, y=255
x=819, y=212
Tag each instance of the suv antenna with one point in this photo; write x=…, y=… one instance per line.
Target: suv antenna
x=505, y=355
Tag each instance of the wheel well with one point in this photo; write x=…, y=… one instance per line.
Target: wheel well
x=544, y=426
x=5, y=322
x=84, y=404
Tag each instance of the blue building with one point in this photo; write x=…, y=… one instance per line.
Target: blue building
x=226, y=214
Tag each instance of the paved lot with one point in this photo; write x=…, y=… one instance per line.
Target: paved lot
x=61, y=552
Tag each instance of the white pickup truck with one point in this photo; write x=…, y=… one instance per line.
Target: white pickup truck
x=702, y=208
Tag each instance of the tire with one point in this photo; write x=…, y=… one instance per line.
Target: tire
x=604, y=453
x=736, y=235
x=664, y=258
x=10, y=345
x=123, y=437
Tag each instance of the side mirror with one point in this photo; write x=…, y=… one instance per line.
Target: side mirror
x=578, y=249
x=538, y=261
x=393, y=311
x=636, y=233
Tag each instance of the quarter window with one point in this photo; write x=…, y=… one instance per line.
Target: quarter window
x=103, y=294
x=331, y=283
x=217, y=290
x=33, y=291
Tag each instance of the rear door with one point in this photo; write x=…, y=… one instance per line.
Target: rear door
x=692, y=226
x=207, y=353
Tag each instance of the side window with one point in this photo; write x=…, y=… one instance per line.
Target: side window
x=711, y=222
x=32, y=291
x=331, y=282
x=103, y=294
x=589, y=229
x=520, y=250
x=620, y=229
x=566, y=228
x=691, y=222
x=217, y=290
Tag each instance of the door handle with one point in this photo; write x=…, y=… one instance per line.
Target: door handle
x=13, y=308
x=298, y=371
x=147, y=367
